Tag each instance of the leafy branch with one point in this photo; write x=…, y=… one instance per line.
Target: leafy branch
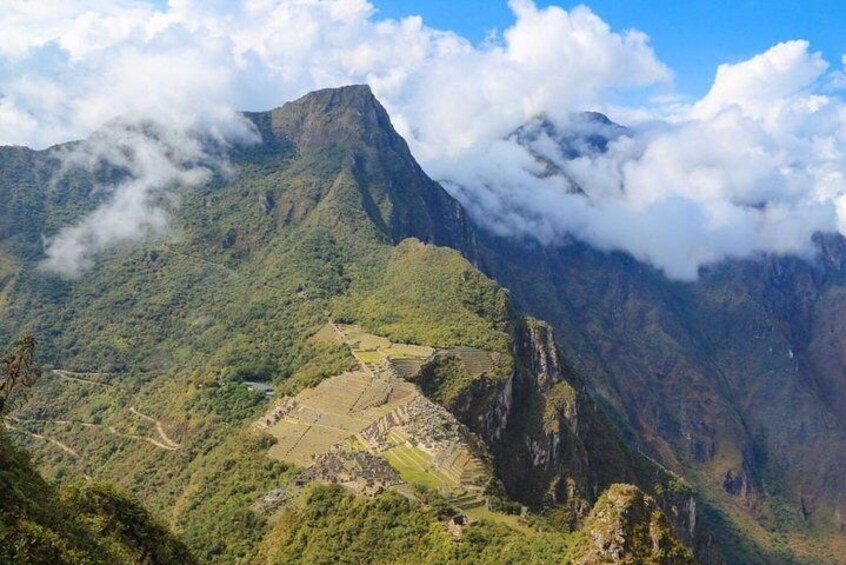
x=17, y=371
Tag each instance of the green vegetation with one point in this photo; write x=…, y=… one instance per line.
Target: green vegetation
x=229, y=402
x=17, y=372
x=88, y=524
x=325, y=360
x=626, y=526
x=234, y=294
x=125, y=530
x=433, y=296
x=333, y=526
x=215, y=512
x=415, y=467
x=81, y=524
x=447, y=380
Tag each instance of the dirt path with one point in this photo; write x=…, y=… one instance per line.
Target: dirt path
x=63, y=446
x=110, y=429
x=159, y=428
x=79, y=377
x=165, y=442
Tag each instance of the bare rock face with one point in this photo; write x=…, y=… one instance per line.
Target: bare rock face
x=491, y=422
x=553, y=446
x=734, y=381
x=735, y=483
x=538, y=352
x=627, y=526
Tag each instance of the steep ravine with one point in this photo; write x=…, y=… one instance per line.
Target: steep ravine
x=734, y=381
x=556, y=451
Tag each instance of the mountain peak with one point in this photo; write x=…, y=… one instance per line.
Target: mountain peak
x=347, y=132
x=584, y=133
x=351, y=94
x=355, y=98
x=329, y=117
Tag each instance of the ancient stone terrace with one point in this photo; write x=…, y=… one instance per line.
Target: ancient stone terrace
x=337, y=408
x=372, y=429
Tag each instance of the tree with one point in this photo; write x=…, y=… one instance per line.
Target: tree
x=17, y=372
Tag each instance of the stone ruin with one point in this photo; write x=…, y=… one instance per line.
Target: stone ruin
x=360, y=471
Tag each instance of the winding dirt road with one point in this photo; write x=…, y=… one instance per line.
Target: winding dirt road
x=63, y=446
x=80, y=377
x=159, y=428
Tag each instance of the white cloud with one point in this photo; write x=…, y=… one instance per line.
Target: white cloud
x=762, y=86
x=757, y=165
x=122, y=57
x=79, y=27
x=155, y=158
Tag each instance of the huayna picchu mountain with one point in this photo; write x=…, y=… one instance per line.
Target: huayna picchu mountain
x=310, y=366
x=352, y=126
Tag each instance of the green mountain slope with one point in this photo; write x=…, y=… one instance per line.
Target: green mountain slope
x=150, y=349
x=77, y=525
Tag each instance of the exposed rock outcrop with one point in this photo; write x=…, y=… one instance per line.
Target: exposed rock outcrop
x=555, y=449
x=627, y=526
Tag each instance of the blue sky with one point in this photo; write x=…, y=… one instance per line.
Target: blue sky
x=691, y=36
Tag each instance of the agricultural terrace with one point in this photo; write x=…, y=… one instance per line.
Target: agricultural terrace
x=372, y=428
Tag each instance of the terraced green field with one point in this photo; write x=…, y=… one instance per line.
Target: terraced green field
x=374, y=357
x=476, y=361
x=345, y=408
x=415, y=467
x=332, y=412
x=407, y=368
x=369, y=348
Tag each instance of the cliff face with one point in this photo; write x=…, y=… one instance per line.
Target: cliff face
x=554, y=448
x=486, y=405
x=735, y=381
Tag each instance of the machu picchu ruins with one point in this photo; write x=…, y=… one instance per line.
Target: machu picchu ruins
x=372, y=429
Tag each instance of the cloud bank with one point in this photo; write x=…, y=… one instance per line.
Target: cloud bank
x=153, y=158
x=755, y=166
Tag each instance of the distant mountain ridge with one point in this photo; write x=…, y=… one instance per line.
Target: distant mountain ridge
x=734, y=381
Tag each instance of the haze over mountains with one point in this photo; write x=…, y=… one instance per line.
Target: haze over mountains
x=754, y=166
